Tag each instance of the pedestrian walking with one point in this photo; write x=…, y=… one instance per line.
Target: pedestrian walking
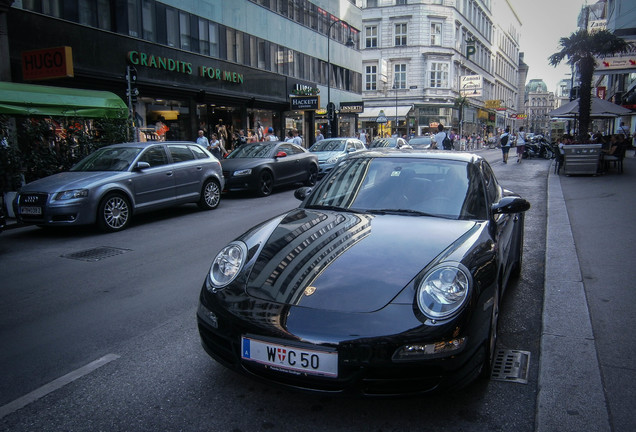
x=521, y=144
x=202, y=140
x=215, y=146
x=505, y=142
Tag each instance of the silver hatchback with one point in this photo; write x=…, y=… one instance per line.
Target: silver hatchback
x=113, y=183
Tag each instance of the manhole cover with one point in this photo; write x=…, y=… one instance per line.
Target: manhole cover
x=511, y=366
x=96, y=254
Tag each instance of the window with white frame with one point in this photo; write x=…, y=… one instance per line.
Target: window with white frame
x=400, y=2
x=436, y=33
x=438, y=75
x=371, y=77
x=400, y=34
x=371, y=36
x=399, y=77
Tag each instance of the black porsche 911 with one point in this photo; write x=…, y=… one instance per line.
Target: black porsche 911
x=262, y=166
x=386, y=280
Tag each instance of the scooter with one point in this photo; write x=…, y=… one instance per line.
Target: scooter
x=539, y=149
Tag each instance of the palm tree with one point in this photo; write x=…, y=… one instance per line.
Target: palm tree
x=582, y=48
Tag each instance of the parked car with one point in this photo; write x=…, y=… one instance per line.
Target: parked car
x=394, y=142
x=262, y=166
x=386, y=280
x=423, y=142
x=332, y=150
x=3, y=220
x=118, y=181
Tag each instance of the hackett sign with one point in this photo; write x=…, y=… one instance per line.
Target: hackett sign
x=138, y=58
x=305, y=103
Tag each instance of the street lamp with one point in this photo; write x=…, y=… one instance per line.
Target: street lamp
x=331, y=109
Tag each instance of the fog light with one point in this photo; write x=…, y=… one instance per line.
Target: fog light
x=208, y=316
x=421, y=351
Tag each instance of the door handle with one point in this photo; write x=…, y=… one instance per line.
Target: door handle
x=169, y=173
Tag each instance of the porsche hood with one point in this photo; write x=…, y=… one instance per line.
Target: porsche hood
x=349, y=262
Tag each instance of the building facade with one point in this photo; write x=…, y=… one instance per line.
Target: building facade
x=427, y=62
x=539, y=103
x=211, y=64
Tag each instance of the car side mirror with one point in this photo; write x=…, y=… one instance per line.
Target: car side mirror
x=510, y=204
x=142, y=166
x=280, y=154
x=302, y=193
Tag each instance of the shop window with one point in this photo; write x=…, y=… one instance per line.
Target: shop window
x=371, y=77
x=133, y=18
x=213, y=31
x=148, y=20
x=184, y=31
x=172, y=27
x=87, y=12
x=371, y=36
x=436, y=34
x=399, y=76
x=400, y=34
x=204, y=36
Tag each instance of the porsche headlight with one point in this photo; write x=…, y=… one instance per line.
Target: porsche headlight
x=444, y=290
x=227, y=264
x=70, y=194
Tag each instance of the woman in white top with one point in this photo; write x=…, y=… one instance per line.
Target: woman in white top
x=521, y=144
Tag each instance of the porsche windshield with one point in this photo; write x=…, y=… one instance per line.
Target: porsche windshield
x=108, y=159
x=445, y=188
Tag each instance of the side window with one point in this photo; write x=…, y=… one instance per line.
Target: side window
x=155, y=156
x=491, y=184
x=199, y=153
x=290, y=149
x=180, y=153
x=350, y=146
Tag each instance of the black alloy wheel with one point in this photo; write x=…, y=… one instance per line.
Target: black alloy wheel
x=265, y=183
x=114, y=213
x=313, y=176
x=210, y=195
x=491, y=344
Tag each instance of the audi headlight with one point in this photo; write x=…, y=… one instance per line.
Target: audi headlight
x=243, y=172
x=71, y=194
x=227, y=264
x=444, y=290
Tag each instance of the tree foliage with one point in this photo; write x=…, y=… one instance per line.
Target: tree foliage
x=582, y=49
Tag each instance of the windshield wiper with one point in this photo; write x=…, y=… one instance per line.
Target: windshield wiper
x=332, y=207
x=402, y=211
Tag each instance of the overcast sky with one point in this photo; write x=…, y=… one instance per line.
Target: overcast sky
x=544, y=23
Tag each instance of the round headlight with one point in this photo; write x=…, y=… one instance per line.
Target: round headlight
x=443, y=290
x=227, y=264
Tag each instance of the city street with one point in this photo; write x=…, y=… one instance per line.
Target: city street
x=134, y=311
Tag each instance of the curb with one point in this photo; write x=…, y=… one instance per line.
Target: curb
x=571, y=397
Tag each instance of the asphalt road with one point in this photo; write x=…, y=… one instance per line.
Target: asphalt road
x=135, y=311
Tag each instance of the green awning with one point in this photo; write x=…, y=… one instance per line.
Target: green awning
x=29, y=99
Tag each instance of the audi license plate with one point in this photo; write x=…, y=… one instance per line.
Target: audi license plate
x=290, y=359
x=31, y=210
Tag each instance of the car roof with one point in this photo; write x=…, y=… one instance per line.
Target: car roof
x=419, y=154
x=149, y=143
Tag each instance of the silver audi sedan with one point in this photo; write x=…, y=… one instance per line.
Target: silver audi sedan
x=118, y=181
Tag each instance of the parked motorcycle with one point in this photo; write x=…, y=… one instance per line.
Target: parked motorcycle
x=539, y=148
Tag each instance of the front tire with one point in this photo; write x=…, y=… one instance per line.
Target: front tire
x=313, y=176
x=265, y=184
x=114, y=213
x=491, y=344
x=210, y=195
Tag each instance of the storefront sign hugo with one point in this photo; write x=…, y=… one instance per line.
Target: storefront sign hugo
x=171, y=65
x=47, y=63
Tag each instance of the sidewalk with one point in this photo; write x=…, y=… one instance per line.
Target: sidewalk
x=575, y=391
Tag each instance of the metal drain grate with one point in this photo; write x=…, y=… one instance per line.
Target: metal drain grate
x=96, y=254
x=511, y=366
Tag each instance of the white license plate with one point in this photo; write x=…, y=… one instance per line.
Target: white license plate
x=31, y=210
x=290, y=359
